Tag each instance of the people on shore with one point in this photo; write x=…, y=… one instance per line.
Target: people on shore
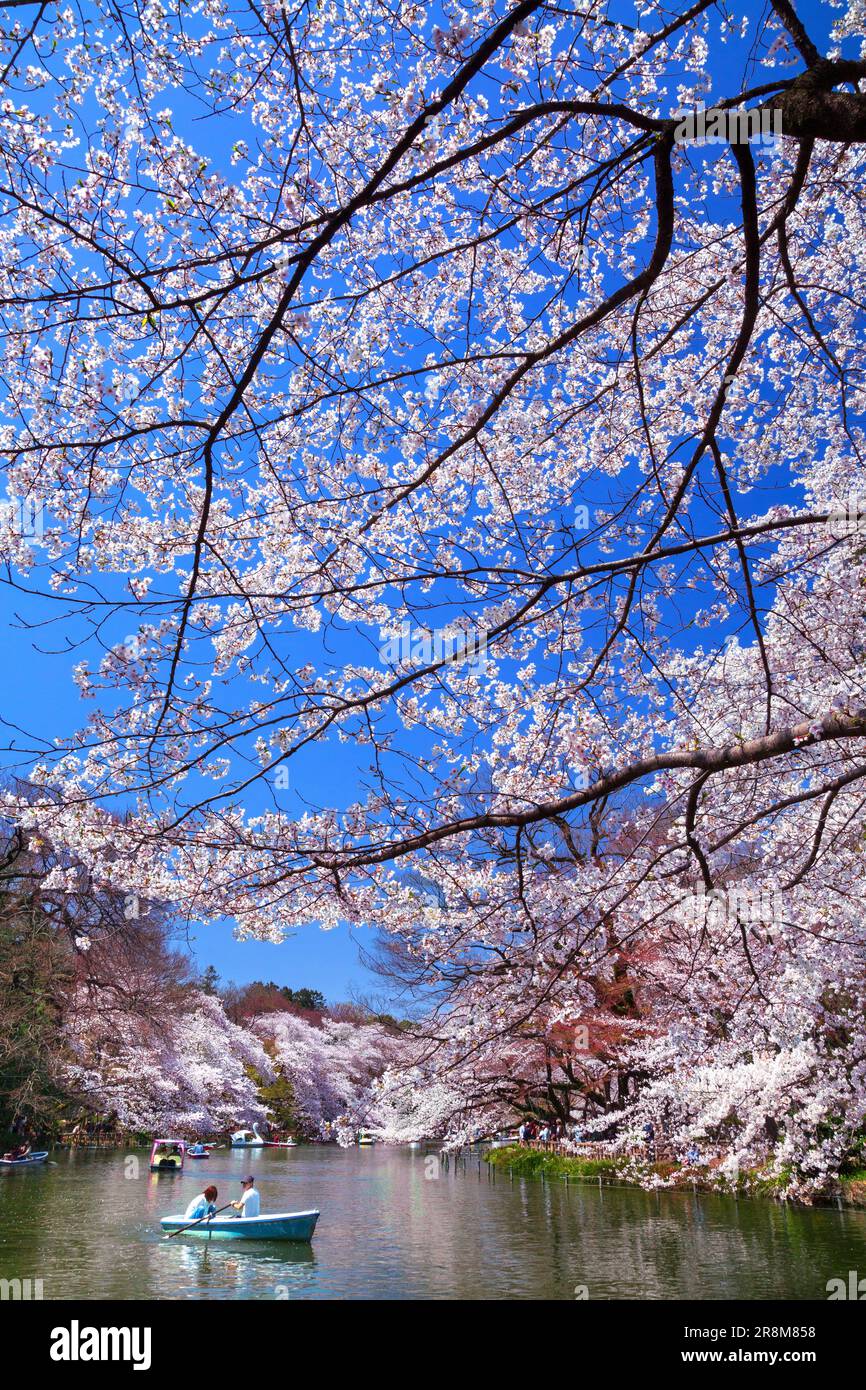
x=555, y=1135
x=531, y=1132
x=202, y=1205
x=249, y=1203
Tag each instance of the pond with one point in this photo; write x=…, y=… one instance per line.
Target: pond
x=395, y=1225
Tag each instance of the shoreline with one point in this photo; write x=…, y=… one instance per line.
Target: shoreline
x=671, y=1177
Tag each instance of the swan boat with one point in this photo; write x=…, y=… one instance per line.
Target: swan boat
x=281, y=1225
x=252, y=1139
x=248, y=1139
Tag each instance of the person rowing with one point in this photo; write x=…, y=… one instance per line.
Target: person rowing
x=200, y=1209
x=20, y=1151
x=249, y=1203
x=202, y=1205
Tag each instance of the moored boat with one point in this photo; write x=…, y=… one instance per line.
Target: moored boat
x=366, y=1136
x=39, y=1157
x=282, y=1225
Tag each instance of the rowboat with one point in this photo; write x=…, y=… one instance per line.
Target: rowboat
x=282, y=1225
x=28, y=1158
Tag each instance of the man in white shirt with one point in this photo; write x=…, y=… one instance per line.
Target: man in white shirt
x=249, y=1204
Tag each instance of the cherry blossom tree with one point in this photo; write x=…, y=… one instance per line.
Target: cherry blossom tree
x=332, y=1068
x=194, y=1073
x=402, y=393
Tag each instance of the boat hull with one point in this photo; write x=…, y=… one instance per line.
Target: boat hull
x=23, y=1162
x=287, y=1225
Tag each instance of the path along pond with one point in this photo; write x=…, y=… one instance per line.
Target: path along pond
x=87, y=1225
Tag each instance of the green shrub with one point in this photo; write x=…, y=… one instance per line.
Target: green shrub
x=528, y=1163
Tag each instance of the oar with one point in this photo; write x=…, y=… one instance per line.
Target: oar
x=206, y=1217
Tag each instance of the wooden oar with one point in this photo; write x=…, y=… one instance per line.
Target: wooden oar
x=207, y=1216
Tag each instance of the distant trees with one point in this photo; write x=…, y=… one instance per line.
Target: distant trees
x=193, y=1070
x=309, y=999
x=84, y=969
x=68, y=946
x=243, y=1002
x=35, y=970
x=333, y=1068
x=209, y=982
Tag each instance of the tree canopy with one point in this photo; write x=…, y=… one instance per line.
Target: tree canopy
x=450, y=491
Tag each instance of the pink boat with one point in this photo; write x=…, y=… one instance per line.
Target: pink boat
x=167, y=1156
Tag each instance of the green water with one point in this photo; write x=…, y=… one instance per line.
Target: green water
x=88, y=1227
